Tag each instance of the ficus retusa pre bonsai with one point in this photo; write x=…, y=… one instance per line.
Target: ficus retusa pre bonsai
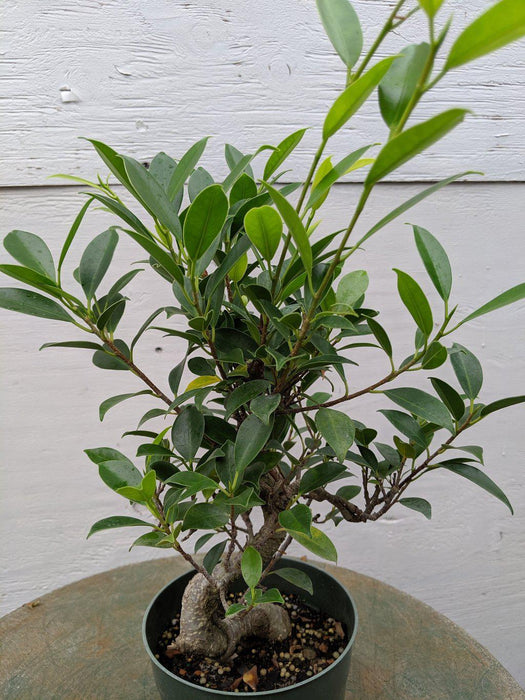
x=253, y=446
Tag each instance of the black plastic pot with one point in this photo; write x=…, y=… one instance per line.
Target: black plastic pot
x=329, y=596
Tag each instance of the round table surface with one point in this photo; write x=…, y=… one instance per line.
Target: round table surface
x=83, y=642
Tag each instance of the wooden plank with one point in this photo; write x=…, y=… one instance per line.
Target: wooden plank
x=158, y=75
x=83, y=642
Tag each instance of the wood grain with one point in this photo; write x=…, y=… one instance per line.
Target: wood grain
x=158, y=75
x=83, y=642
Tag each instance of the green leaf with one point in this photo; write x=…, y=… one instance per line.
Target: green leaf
x=318, y=543
x=162, y=168
x=418, y=504
x=501, y=24
x=251, y=438
x=422, y=405
x=430, y=6
x=406, y=425
x=415, y=301
x=27, y=302
x=213, y=556
x=380, y=335
x=123, y=213
x=337, y=429
x=185, y=167
x=235, y=608
x=295, y=226
x=160, y=256
x=480, y=478
x=281, y=153
x=296, y=577
x=72, y=232
x=264, y=406
x=343, y=28
x=96, y=260
x=435, y=356
x=149, y=484
x=449, y=396
x=349, y=492
x=188, y=431
x=251, y=566
x=114, y=400
x=31, y=251
x=199, y=180
x=113, y=161
x=152, y=195
x=399, y=84
x=238, y=269
x=193, y=482
x=512, y=295
x=115, y=521
x=243, y=188
x=243, y=394
x=34, y=279
x=475, y=450
x=103, y=454
x=315, y=477
x=501, y=403
x=435, y=260
x=411, y=142
x=204, y=220
x=468, y=370
x=117, y=473
x=202, y=541
x=85, y=344
x=264, y=228
x=354, y=97
x=352, y=287
x=205, y=516
x=152, y=539
x=321, y=187
x=297, y=520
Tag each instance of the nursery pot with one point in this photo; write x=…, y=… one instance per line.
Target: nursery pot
x=329, y=596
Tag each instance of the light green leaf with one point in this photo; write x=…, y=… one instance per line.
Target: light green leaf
x=264, y=228
x=343, y=28
x=72, y=232
x=296, y=577
x=295, y=226
x=430, y=6
x=337, y=429
x=399, y=84
x=415, y=301
x=411, y=142
x=28, y=302
x=272, y=595
x=500, y=404
x=188, y=431
x=114, y=400
x=354, y=97
x=115, y=521
x=352, y=287
x=422, y=405
x=435, y=260
x=281, y=153
x=251, y=438
x=480, y=479
x=96, y=260
x=418, y=504
x=468, y=370
x=251, y=566
x=238, y=269
x=152, y=539
x=297, y=520
x=243, y=188
x=512, y=295
x=235, y=608
x=204, y=220
x=501, y=24
x=31, y=251
x=322, y=186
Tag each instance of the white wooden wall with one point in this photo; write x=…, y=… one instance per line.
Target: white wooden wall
x=146, y=76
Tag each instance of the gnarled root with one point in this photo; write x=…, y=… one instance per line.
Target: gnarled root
x=205, y=630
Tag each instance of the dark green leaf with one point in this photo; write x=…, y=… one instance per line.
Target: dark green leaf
x=415, y=301
x=399, y=84
x=435, y=356
x=297, y=520
x=337, y=429
x=115, y=521
x=468, y=370
x=295, y=227
x=188, y=431
x=152, y=539
x=235, y=608
x=342, y=27
x=348, y=492
x=193, y=482
x=185, y=167
x=450, y=397
x=264, y=406
x=500, y=404
x=202, y=541
x=204, y=220
x=161, y=256
x=85, y=344
x=318, y=476
x=517, y=293
x=243, y=394
x=272, y=595
x=96, y=260
x=34, y=279
x=117, y=473
x=114, y=400
x=281, y=153
x=27, y=302
x=31, y=251
x=380, y=335
x=422, y=405
x=481, y=479
x=205, y=516
x=251, y=566
x=243, y=188
x=435, y=260
x=418, y=504
x=213, y=556
x=72, y=232
x=296, y=577
x=251, y=438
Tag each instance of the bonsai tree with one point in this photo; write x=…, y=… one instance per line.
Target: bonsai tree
x=252, y=450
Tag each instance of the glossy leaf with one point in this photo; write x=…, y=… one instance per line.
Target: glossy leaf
x=422, y=405
x=31, y=251
x=193, y=482
x=500, y=404
x=337, y=429
x=511, y=296
x=116, y=521
x=467, y=369
x=343, y=28
x=152, y=539
x=281, y=153
x=251, y=438
x=84, y=344
x=399, y=84
x=449, y=396
x=348, y=492
x=251, y=566
x=418, y=504
x=415, y=301
x=205, y=516
x=96, y=260
x=318, y=543
x=354, y=97
x=501, y=24
x=204, y=220
x=187, y=432
x=114, y=400
x=296, y=577
x=480, y=479
x=380, y=335
x=235, y=608
x=315, y=477
x=411, y=142
x=435, y=260
x=272, y=595
x=297, y=520
x=264, y=228
x=28, y=302
x=117, y=473
x=295, y=226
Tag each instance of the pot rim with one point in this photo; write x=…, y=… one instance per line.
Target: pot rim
x=262, y=693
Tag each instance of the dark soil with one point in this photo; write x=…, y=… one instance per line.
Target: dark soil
x=315, y=643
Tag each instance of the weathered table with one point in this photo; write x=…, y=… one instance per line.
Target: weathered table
x=83, y=642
